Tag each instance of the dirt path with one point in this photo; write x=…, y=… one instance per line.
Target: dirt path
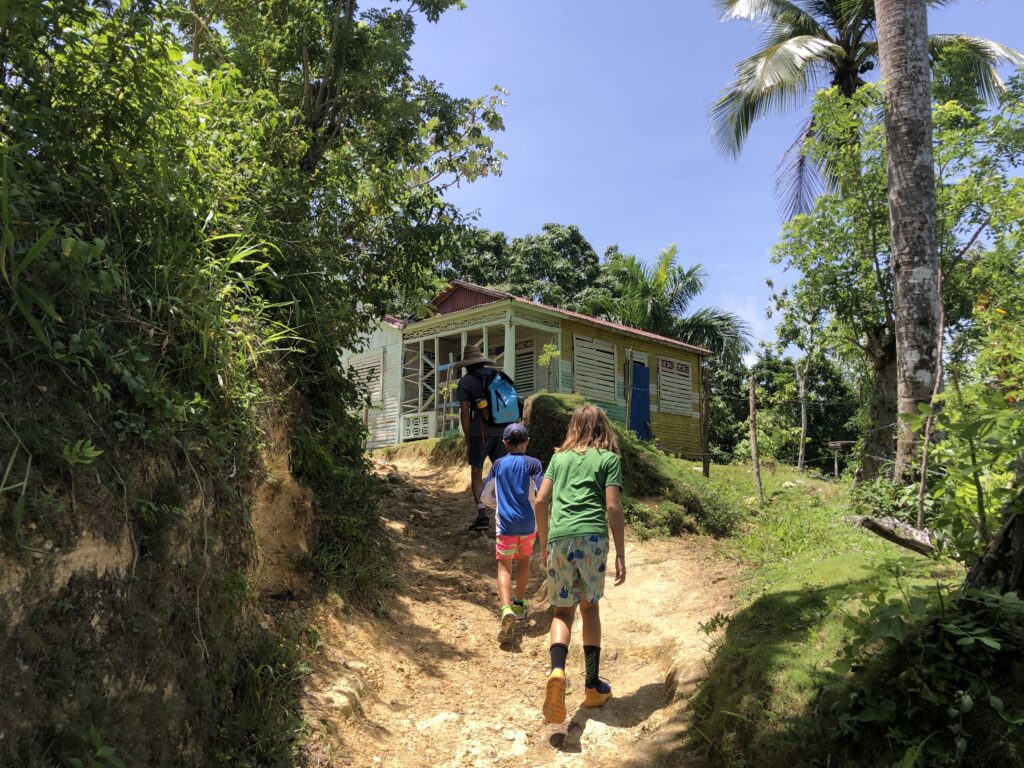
x=429, y=686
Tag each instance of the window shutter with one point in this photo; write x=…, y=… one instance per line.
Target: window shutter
x=594, y=367
x=526, y=367
x=675, y=387
x=369, y=368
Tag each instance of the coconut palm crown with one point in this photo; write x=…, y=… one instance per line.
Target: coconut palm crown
x=809, y=44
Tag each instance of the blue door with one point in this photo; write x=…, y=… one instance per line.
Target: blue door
x=640, y=402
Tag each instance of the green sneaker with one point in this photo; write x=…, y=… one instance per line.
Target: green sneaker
x=508, y=624
x=521, y=610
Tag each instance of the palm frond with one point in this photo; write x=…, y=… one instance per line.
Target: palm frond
x=684, y=286
x=771, y=80
x=799, y=180
x=985, y=56
x=716, y=330
x=753, y=10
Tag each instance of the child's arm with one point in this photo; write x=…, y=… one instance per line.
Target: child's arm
x=488, y=493
x=613, y=503
x=541, y=507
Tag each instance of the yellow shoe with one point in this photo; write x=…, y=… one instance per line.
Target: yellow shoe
x=554, y=697
x=597, y=695
x=508, y=625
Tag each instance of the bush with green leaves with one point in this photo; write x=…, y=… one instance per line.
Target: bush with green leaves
x=931, y=678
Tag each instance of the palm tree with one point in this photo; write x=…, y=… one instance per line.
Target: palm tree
x=657, y=298
x=808, y=44
x=903, y=42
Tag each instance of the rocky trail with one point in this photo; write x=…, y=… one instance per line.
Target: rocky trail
x=428, y=685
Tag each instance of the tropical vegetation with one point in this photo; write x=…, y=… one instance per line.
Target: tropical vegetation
x=810, y=44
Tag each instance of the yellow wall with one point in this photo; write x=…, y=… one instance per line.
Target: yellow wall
x=674, y=432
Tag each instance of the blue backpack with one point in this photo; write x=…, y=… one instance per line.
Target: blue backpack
x=503, y=403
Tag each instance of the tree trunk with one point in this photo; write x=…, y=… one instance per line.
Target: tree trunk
x=801, y=383
x=754, y=458
x=903, y=51
x=878, y=442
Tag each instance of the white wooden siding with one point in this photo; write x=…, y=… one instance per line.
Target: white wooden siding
x=369, y=368
x=385, y=344
x=675, y=387
x=594, y=367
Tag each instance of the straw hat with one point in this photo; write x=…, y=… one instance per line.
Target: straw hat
x=472, y=355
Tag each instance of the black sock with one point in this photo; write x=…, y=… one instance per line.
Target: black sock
x=592, y=655
x=517, y=601
x=559, y=653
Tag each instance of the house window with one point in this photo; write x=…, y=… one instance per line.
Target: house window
x=675, y=387
x=594, y=367
x=526, y=367
x=369, y=369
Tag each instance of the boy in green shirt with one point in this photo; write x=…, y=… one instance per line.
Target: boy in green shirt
x=582, y=492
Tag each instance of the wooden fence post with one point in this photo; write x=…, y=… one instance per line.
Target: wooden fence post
x=753, y=443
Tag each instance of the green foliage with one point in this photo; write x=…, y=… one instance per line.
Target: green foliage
x=265, y=721
x=975, y=461
x=351, y=553
x=657, y=298
x=931, y=674
x=658, y=519
x=80, y=452
x=103, y=755
x=553, y=267
x=841, y=249
x=183, y=238
x=829, y=43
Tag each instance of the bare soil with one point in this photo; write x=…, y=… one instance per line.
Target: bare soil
x=428, y=684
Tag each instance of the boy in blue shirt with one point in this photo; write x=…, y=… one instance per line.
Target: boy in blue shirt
x=510, y=488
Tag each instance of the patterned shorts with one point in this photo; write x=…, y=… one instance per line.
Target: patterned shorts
x=507, y=547
x=576, y=567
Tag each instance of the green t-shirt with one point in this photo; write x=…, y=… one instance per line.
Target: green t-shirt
x=577, y=495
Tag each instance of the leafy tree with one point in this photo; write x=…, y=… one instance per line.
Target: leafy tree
x=554, y=267
x=841, y=250
x=182, y=240
x=810, y=43
x=657, y=298
x=831, y=409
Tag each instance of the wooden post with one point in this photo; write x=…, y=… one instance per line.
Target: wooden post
x=835, y=463
x=419, y=382
x=755, y=459
x=705, y=415
x=509, y=360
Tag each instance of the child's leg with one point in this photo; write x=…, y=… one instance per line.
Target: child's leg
x=522, y=576
x=591, y=615
x=597, y=691
x=505, y=582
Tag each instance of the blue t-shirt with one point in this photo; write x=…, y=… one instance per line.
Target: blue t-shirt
x=514, y=476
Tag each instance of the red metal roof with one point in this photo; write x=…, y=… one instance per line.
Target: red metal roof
x=462, y=295
x=478, y=294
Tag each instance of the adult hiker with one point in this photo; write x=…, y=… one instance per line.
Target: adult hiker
x=483, y=440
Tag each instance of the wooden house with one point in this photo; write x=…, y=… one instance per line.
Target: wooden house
x=649, y=383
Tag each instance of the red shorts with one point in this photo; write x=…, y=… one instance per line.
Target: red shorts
x=509, y=547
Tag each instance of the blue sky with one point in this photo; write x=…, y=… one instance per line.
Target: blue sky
x=606, y=127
